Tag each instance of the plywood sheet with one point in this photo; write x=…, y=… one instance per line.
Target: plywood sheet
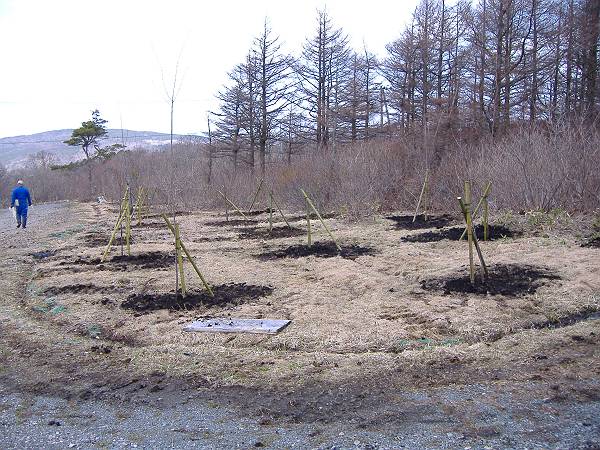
x=227, y=325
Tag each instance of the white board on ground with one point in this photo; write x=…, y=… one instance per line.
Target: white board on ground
x=225, y=325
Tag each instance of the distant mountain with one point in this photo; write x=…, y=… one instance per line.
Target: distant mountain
x=14, y=151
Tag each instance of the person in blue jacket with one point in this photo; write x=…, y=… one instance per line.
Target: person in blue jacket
x=22, y=201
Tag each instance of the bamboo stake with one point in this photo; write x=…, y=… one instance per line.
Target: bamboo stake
x=179, y=260
x=308, y=222
x=469, y=229
x=421, y=196
x=475, y=241
x=190, y=259
x=486, y=215
x=112, y=237
x=280, y=211
x=140, y=203
x=128, y=230
x=122, y=211
x=232, y=204
x=310, y=203
x=270, y=211
x=426, y=197
x=483, y=199
x=256, y=195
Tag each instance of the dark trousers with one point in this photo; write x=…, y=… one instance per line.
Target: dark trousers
x=22, y=218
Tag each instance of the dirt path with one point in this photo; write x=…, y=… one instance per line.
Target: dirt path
x=61, y=387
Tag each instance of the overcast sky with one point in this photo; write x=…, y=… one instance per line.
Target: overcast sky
x=63, y=58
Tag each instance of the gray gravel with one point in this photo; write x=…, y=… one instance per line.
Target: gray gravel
x=465, y=417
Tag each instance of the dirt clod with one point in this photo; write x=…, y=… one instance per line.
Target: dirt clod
x=504, y=279
x=319, y=249
x=406, y=222
x=454, y=233
x=224, y=294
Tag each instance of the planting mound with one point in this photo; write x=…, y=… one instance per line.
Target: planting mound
x=169, y=215
x=504, y=279
x=313, y=216
x=275, y=233
x=101, y=240
x=80, y=289
x=454, y=233
x=211, y=239
x=593, y=242
x=224, y=294
x=232, y=222
x=150, y=260
x=43, y=254
x=146, y=224
x=406, y=222
x=319, y=249
x=258, y=212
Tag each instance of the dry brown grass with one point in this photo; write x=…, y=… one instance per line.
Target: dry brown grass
x=349, y=318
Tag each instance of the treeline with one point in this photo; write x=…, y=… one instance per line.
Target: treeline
x=462, y=70
x=495, y=90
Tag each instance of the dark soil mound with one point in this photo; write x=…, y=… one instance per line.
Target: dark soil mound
x=150, y=260
x=80, y=289
x=225, y=294
x=169, y=215
x=313, y=216
x=406, y=222
x=101, y=240
x=258, y=212
x=275, y=233
x=232, y=222
x=319, y=249
x=211, y=239
x=593, y=242
x=43, y=254
x=146, y=224
x=504, y=279
x=454, y=233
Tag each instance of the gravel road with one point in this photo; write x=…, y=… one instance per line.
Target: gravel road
x=493, y=415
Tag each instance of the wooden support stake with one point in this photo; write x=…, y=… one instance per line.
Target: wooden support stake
x=112, y=236
x=189, y=257
x=280, y=211
x=475, y=241
x=486, y=215
x=421, y=197
x=483, y=199
x=262, y=180
x=467, y=204
x=128, y=229
x=179, y=260
x=270, y=211
x=310, y=203
x=232, y=205
x=426, y=198
x=308, y=222
x=139, y=205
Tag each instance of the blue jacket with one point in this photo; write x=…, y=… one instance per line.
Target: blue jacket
x=21, y=193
